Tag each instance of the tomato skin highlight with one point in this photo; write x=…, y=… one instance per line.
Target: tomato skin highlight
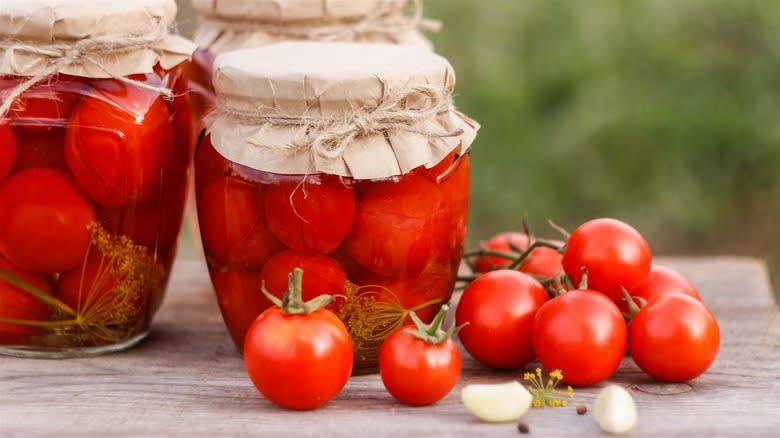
x=43, y=221
x=299, y=362
x=312, y=216
x=615, y=255
x=583, y=334
x=662, y=281
x=417, y=372
x=498, y=310
x=675, y=338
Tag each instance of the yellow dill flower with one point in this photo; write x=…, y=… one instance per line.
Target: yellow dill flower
x=549, y=394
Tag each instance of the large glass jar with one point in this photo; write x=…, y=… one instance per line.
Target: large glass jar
x=93, y=174
x=384, y=233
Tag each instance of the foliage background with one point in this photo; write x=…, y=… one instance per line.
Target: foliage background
x=661, y=113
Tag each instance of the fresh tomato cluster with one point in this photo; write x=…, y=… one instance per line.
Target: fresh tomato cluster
x=384, y=247
x=76, y=152
x=615, y=300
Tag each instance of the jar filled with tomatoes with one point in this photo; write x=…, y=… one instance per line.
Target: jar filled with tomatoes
x=95, y=146
x=348, y=161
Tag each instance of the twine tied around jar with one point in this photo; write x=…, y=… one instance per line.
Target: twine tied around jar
x=385, y=20
x=329, y=137
x=87, y=50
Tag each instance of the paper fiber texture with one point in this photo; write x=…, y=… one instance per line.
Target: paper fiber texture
x=365, y=111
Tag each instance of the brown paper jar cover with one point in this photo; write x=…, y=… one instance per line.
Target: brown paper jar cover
x=95, y=149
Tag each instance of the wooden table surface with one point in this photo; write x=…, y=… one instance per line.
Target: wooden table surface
x=186, y=379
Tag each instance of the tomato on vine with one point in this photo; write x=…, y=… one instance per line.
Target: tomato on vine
x=614, y=254
x=674, y=338
x=420, y=364
x=497, y=313
x=661, y=281
x=43, y=221
x=298, y=354
x=542, y=261
x=581, y=333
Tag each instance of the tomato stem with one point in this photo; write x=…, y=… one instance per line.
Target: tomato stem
x=432, y=333
x=292, y=300
x=633, y=309
x=539, y=243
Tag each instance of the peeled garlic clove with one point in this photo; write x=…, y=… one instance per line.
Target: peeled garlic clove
x=615, y=410
x=497, y=403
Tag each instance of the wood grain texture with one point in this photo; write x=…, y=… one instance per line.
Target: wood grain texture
x=186, y=379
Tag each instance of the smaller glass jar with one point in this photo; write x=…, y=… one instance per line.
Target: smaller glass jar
x=93, y=174
x=355, y=170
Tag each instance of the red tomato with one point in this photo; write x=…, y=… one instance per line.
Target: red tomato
x=41, y=149
x=455, y=184
x=16, y=303
x=240, y=300
x=232, y=224
x=615, y=254
x=119, y=142
x=45, y=105
x=662, y=281
x=148, y=224
x=583, y=334
x=314, y=216
x=543, y=261
x=419, y=371
x=209, y=164
x=674, y=338
x=324, y=275
x=421, y=295
x=498, y=309
x=43, y=221
x=90, y=288
x=299, y=361
x=7, y=150
x=399, y=226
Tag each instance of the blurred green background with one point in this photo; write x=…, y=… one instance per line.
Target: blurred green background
x=662, y=113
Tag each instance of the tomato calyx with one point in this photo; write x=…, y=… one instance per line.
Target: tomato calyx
x=292, y=302
x=633, y=308
x=433, y=333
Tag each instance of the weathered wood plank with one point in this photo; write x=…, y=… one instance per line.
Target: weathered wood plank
x=187, y=379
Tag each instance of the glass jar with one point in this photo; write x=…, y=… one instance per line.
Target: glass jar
x=93, y=174
x=384, y=239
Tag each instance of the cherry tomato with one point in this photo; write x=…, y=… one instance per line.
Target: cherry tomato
x=41, y=149
x=424, y=295
x=498, y=310
x=615, y=255
x=313, y=216
x=7, y=150
x=91, y=288
x=209, y=164
x=119, y=142
x=662, y=281
x=583, y=334
x=147, y=224
x=324, y=275
x=43, y=221
x=299, y=361
x=232, y=224
x=240, y=300
x=455, y=184
x=16, y=303
x=47, y=104
x=543, y=261
x=674, y=338
x=399, y=226
x=420, y=364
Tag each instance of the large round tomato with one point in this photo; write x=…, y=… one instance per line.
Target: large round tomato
x=232, y=224
x=312, y=216
x=419, y=371
x=674, y=338
x=399, y=226
x=16, y=303
x=662, y=281
x=583, y=334
x=543, y=261
x=615, y=255
x=119, y=142
x=498, y=310
x=43, y=221
x=45, y=105
x=7, y=150
x=41, y=149
x=299, y=361
x=240, y=300
x=324, y=275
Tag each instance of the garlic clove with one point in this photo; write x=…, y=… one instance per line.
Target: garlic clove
x=497, y=403
x=615, y=410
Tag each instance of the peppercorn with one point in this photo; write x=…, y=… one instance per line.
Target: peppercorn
x=582, y=409
x=523, y=428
